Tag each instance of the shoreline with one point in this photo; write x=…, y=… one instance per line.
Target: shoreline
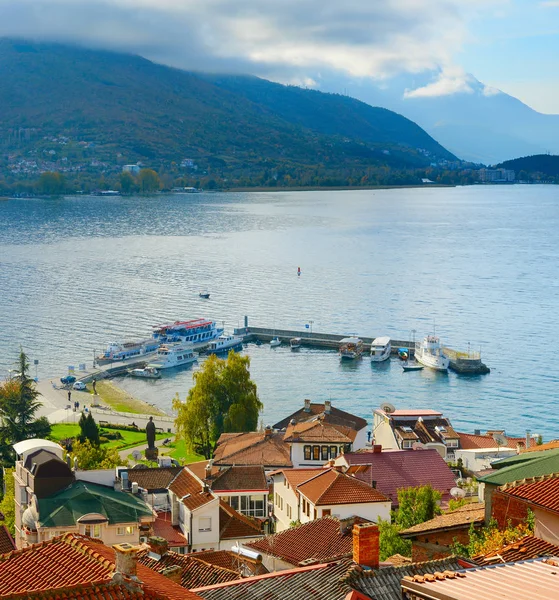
x=341, y=188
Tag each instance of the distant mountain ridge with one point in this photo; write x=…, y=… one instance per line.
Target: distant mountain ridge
x=126, y=106
x=544, y=164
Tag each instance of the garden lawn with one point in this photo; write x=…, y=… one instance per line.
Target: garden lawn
x=180, y=453
x=130, y=439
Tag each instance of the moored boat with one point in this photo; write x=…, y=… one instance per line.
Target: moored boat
x=204, y=294
x=173, y=355
x=295, y=343
x=126, y=350
x=380, y=349
x=275, y=342
x=429, y=353
x=146, y=373
x=351, y=348
x=224, y=343
x=195, y=331
x=412, y=366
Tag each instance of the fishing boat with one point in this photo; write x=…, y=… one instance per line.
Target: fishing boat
x=411, y=366
x=146, y=373
x=195, y=331
x=275, y=342
x=224, y=343
x=295, y=343
x=351, y=348
x=127, y=349
x=204, y=294
x=429, y=353
x=380, y=349
x=173, y=355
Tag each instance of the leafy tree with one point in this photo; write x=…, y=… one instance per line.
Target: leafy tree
x=223, y=399
x=149, y=181
x=390, y=541
x=88, y=429
x=95, y=457
x=127, y=182
x=417, y=505
x=7, y=506
x=455, y=504
x=51, y=183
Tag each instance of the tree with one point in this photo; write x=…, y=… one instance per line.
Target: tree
x=7, y=506
x=417, y=505
x=88, y=429
x=127, y=183
x=149, y=181
x=390, y=541
x=223, y=399
x=51, y=183
x=95, y=457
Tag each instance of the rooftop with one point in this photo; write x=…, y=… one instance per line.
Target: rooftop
x=322, y=540
x=240, y=478
x=473, y=441
x=526, y=548
x=539, y=491
x=334, y=416
x=317, y=431
x=255, y=448
x=229, y=560
x=461, y=518
x=234, y=525
x=163, y=527
x=153, y=479
x=7, y=543
x=412, y=412
x=523, y=466
x=190, y=491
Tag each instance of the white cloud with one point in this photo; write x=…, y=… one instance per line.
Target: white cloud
x=491, y=91
x=449, y=81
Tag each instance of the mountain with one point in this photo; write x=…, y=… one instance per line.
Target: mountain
x=539, y=166
x=104, y=106
x=478, y=124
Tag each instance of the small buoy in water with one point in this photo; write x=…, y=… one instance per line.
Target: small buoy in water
x=298, y=271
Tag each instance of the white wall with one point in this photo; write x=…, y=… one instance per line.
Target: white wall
x=228, y=544
x=283, y=520
x=274, y=564
x=383, y=433
x=99, y=476
x=371, y=511
x=361, y=439
x=479, y=459
x=201, y=539
x=298, y=454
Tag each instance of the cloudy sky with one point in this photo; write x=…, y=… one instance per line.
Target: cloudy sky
x=511, y=45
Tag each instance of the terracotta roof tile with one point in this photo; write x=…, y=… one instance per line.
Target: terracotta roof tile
x=254, y=448
x=319, y=431
x=7, y=543
x=229, y=560
x=472, y=441
x=526, y=548
x=163, y=527
x=462, y=517
x=297, y=476
x=153, y=479
x=322, y=540
x=240, y=478
x=541, y=491
x=397, y=560
x=336, y=416
x=551, y=445
x=333, y=487
x=233, y=525
x=190, y=491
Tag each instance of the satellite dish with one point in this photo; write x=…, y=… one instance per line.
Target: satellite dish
x=500, y=439
x=387, y=408
x=417, y=446
x=457, y=492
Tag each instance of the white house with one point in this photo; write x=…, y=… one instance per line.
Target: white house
x=304, y=495
x=479, y=459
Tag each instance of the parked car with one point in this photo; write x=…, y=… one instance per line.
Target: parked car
x=79, y=385
x=68, y=380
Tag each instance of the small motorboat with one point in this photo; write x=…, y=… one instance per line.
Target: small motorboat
x=275, y=342
x=146, y=373
x=258, y=342
x=295, y=343
x=411, y=366
x=204, y=294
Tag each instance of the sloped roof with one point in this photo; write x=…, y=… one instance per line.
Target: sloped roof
x=7, y=543
x=524, y=466
x=195, y=572
x=539, y=491
x=153, y=479
x=552, y=445
x=163, y=527
x=425, y=430
x=334, y=417
x=397, y=560
x=64, y=508
x=321, y=540
x=319, y=432
x=190, y=491
x=255, y=448
x=460, y=518
x=385, y=583
x=319, y=582
x=396, y=469
x=74, y=566
x=233, y=524
x=297, y=476
x=240, y=478
x=523, y=549
x=472, y=441
x=333, y=487
x=228, y=560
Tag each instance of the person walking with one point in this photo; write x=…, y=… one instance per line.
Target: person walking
x=69, y=396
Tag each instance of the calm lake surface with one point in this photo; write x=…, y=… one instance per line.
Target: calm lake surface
x=480, y=262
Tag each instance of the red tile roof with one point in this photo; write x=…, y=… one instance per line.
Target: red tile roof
x=319, y=432
x=7, y=543
x=462, y=517
x=333, y=487
x=240, y=478
x=72, y=566
x=534, y=447
x=322, y=540
x=396, y=469
x=153, y=479
x=228, y=560
x=472, y=441
x=255, y=448
x=163, y=527
x=335, y=417
x=233, y=525
x=297, y=476
x=539, y=491
x=190, y=491
x=526, y=548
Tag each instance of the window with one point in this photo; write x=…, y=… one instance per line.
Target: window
x=97, y=531
x=308, y=509
x=129, y=530
x=407, y=443
x=304, y=505
x=205, y=524
x=316, y=452
x=326, y=512
x=234, y=502
x=452, y=443
x=87, y=530
x=333, y=451
x=324, y=452
x=307, y=451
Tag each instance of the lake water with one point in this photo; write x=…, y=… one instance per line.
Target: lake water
x=480, y=262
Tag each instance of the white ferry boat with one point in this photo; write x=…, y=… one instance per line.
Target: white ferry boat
x=351, y=348
x=195, y=331
x=224, y=343
x=380, y=349
x=126, y=350
x=146, y=373
x=430, y=353
x=173, y=355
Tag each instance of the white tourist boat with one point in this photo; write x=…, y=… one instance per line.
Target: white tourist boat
x=295, y=343
x=146, y=373
x=224, y=343
x=275, y=342
x=197, y=331
x=351, y=348
x=380, y=349
x=173, y=355
x=127, y=349
x=430, y=354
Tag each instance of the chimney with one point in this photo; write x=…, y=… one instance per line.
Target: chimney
x=366, y=545
x=377, y=448
x=174, y=573
x=307, y=405
x=527, y=438
x=268, y=431
x=158, y=545
x=126, y=559
x=327, y=407
x=477, y=431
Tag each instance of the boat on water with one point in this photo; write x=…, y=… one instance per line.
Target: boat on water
x=195, y=331
x=295, y=343
x=224, y=343
x=412, y=366
x=127, y=349
x=275, y=342
x=204, y=294
x=173, y=355
x=430, y=354
x=403, y=353
x=380, y=349
x=351, y=348
x=146, y=373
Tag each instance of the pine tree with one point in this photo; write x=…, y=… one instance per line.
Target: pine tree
x=88, y=429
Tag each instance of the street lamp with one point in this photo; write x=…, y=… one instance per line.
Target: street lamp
x=310, y=323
